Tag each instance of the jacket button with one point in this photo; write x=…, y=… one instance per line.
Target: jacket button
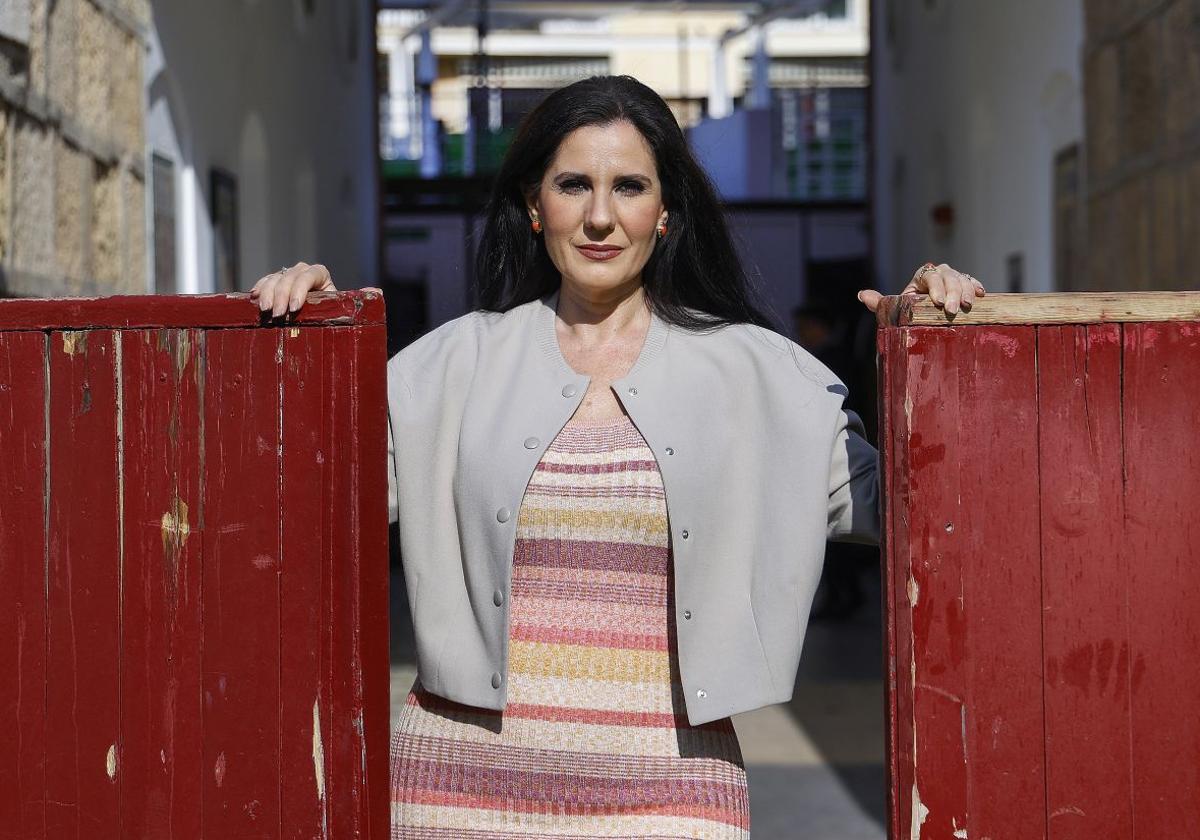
x=497, y=597
x=531, y=443
x=670, y=451
x=633, y=392
x=684, y=534
x=569, y=391
x=700, y=692
x=687, y=614
x=496, y=680
x=503, y=514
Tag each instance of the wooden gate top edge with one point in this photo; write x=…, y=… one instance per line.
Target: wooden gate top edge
x=356, y=307
x=913, y=310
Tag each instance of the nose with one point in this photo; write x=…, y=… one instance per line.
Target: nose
x=599, y=212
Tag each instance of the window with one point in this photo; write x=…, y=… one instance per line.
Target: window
x=162, y=177
x=1068, y=219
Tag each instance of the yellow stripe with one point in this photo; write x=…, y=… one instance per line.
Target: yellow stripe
x=585, y=662
x=614, y=522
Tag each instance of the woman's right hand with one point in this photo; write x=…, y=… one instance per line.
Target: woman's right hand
x=286, y=289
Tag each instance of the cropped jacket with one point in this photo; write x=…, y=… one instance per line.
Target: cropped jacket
x=760, y=463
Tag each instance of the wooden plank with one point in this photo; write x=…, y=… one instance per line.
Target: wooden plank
x=970, y=584
x=931, y=581
x=893, y=424
x=1085, y=621
x=304, y=707
x=374, y=578
x=356, y=789
x=1044, y=308
x=1001, y=604
x=1161, y=404
x=22, y=583
x=83, y=622
x=240, y=567
x=354, y=307
x=162, y=374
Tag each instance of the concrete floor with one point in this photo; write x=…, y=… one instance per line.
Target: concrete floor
x=815, y=764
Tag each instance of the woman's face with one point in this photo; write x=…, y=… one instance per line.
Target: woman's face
x=600, y=203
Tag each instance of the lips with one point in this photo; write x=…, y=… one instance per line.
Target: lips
x=600, y=252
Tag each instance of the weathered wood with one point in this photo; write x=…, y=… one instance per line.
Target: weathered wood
x=193, y=571
x=1160, y=410
x=307, y=461
x=359, y=620
x=361, y=307
x=23, y=557
x=1050, y=308
x=894, y=416
x=1085, y=622
x=240, y=573
x=83, y=584
x=963, y=556
x=1041, y=583
x=162, y=375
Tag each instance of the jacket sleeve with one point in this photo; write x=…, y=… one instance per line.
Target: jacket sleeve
x=854, y=504
x=393, y=495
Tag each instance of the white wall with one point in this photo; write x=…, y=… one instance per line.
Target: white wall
x=972, y=100
x=285, y=102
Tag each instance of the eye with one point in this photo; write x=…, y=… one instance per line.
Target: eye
x=631, y=187
x=571, y=186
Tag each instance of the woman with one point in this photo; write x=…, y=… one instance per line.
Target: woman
x=614, y=485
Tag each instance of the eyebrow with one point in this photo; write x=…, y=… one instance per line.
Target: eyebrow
x=645, y=179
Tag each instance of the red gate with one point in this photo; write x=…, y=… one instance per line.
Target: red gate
x=1042, y=551
x=193, y=569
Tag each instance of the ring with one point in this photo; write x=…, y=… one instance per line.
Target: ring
x=923, y=270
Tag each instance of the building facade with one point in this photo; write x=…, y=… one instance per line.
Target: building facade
x=773, y=97
x=72, y=166
x=170, y=147
x=976, y=105
x=1141, y=65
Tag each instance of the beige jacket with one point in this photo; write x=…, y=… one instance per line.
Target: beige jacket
x=759, y=460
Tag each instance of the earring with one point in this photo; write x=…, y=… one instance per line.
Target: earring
x=662, y=230
x=536, y=225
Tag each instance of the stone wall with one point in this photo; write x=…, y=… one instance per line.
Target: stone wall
x=1142, y=89
x=72, y=171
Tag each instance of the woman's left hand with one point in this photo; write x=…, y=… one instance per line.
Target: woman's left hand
x=948, y=288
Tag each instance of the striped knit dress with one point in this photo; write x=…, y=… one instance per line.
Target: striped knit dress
x=594, y=741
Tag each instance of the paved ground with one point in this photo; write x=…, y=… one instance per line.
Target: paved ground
x=815, y=765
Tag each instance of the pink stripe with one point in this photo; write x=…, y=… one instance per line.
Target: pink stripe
x=596, y=717
x=631, y=618
x=506, y=802
x=580, y=591
x=592, y=555
x=713, y=740
x=554, y=492
x=652, y=582
x=590, y=637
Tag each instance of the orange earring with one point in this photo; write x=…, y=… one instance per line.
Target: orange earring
x=537, y=226
x=662, y=230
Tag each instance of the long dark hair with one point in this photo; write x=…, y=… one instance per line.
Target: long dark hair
x=693, y=278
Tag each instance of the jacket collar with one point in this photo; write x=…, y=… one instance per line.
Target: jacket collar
x=547, y=339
